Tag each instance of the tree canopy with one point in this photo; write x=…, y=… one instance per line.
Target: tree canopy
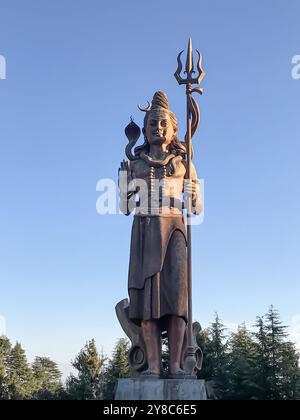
x=261, y=364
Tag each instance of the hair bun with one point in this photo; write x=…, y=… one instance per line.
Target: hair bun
x=160, y=100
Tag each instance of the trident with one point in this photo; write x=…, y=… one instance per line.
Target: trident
x=192, y=121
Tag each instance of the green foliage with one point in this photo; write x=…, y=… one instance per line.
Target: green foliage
x=19, y=375
x=262, y=365
x=277, y=360
x=242, y=367
x=215, y=357
x=19, y=381
x=297, y=388
x=97, y=379
x=118, y=367
x=47, y=379
x=88, y=385
x=5, y=348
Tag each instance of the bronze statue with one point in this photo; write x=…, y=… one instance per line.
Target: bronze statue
x=157, y=182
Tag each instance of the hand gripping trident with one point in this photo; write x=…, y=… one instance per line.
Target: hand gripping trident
x=192, y=120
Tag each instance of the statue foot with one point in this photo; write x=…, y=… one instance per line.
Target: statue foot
x=150, y=374
x=178, y=374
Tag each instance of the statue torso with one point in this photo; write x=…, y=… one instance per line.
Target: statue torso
x=164, y=183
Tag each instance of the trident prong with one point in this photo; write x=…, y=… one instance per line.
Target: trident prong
x=189, y=68
x=179, y=68
x=199, y=68
x=189, y=65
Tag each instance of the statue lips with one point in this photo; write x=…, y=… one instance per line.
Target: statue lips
x=157, y=138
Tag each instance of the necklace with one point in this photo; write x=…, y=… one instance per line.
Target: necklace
x=156, y=163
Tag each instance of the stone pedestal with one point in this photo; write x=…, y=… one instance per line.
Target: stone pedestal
x=160, y=389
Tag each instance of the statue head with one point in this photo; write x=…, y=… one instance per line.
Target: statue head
x=160, y=126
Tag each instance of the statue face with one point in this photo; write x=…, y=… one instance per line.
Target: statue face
x=159, y=129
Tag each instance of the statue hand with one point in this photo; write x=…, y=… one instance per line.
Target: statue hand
x=190, y=189
x=125, y=176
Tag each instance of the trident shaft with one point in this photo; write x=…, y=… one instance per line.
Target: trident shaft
x=192, y=121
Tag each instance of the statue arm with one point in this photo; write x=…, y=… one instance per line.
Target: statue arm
x=192, y=187
x=197, y=199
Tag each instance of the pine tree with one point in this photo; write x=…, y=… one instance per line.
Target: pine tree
x=118, y=367
x=276, y=334
x=213, y=342
x=262, y=359
x=290, y=373
x=19, y=375
x=277, y=359
x=242, y=366
x=88, y=385
x=47, y=378
x=5, y=348
x=297, y=387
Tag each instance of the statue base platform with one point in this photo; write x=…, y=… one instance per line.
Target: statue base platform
x=160, y=389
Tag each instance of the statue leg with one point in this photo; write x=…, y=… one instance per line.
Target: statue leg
x=152, y=339
x=176, y=331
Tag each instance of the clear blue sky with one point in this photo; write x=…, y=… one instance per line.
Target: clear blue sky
x=75, y=72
